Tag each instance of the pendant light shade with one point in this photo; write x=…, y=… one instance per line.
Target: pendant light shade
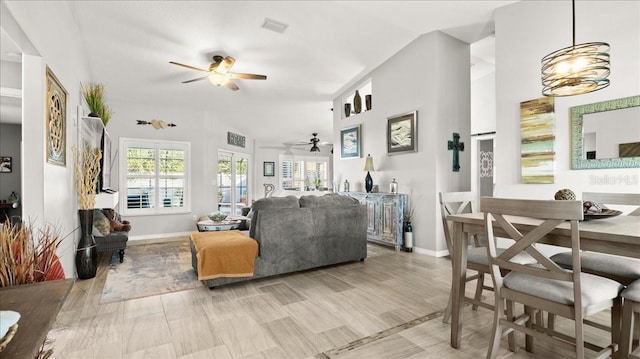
x=577, y=69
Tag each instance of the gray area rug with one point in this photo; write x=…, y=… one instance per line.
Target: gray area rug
x=150, y=269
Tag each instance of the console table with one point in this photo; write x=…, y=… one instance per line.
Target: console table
x=385, y=216
x=38, y=305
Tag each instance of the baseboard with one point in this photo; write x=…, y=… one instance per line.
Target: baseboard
x=156, y=238
x=430, y=252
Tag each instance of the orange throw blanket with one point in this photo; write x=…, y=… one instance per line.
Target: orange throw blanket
x=224, y=254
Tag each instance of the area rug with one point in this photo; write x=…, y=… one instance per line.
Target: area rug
x=150, y=269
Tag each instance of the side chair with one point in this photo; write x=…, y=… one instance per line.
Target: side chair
x=544, y=286
x=458, y=203
x=622, y=269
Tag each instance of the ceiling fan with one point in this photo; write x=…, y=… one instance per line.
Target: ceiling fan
x=313, y=142
x=218, y=73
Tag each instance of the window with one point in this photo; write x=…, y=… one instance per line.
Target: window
x=233, y=180
x=302, y=174
x=155, y=174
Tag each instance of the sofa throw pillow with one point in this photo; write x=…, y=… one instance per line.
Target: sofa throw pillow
x=101, y=226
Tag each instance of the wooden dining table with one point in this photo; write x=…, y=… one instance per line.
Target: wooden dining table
x=618, y=235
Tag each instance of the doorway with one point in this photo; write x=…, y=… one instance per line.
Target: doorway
x=233, y=182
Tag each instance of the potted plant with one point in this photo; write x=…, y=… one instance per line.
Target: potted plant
x=87, y=169
x=408, y=227
x=93, y=96
x=317, y=182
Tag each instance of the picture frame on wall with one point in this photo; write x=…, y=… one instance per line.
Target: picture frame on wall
x=269, y=169
x=402, y=133
x=350, y=142
x=56, y=120
x=6, y=164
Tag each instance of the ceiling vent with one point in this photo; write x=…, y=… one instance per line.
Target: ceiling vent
x=274, y=25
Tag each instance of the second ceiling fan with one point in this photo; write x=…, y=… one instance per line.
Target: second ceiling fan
x=218, y=73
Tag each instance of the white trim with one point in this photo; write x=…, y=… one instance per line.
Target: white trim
x=152, y=238
x=431, y=253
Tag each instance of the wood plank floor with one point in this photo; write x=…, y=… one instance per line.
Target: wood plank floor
x=389, y=306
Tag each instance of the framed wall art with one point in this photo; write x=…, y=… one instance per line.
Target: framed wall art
x=56, y=120
x=537, y=139
x=350, y=142
x=269, y=169
x=402, y=133
x=5, y=164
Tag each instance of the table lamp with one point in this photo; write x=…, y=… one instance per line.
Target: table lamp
x=368, y=166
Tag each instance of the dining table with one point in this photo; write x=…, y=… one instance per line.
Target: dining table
x=619, y=235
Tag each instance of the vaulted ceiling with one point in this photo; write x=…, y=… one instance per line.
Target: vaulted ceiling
x=326, y=46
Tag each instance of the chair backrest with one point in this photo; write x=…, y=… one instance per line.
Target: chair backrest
x=454, y=203
x=552, y=213
x=628, y=199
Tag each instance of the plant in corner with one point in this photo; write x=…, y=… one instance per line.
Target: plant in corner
x=87, y=169
x=93, y=96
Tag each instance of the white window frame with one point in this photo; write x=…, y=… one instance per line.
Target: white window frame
x=234, y=156
x=306, y=180
x=157, y=145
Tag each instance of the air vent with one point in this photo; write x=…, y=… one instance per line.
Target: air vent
x=274, y=25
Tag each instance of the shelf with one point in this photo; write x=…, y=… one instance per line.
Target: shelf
x=106, y=200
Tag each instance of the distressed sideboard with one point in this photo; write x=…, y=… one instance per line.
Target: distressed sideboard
x=385, y=216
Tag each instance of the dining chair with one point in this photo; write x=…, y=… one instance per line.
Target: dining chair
x=630, y=311
x=622, y=269
x=544, y=286
x=458, y=203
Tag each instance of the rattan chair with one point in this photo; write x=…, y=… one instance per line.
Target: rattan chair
x=630, y=311
x=544, y=286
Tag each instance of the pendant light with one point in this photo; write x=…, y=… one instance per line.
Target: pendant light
x=577, y=69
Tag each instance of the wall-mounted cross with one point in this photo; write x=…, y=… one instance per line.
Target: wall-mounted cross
x=456, y=146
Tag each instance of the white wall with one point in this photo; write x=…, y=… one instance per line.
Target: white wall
x=526, y=32
x=48, y=193
x=431, y=76
x=206, y=134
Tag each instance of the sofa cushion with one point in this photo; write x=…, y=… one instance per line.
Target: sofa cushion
x=101, y=225
x=270, y=203
x=328, y=200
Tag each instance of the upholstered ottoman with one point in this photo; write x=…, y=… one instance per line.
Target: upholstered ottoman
x=220, y=254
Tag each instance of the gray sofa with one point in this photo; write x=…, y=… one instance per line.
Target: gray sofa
x=297, y=234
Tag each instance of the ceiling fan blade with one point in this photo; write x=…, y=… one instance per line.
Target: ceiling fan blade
x=187, y=66
x=240, y=76
x=194, y=80
x=226, y=64
x=232, y=85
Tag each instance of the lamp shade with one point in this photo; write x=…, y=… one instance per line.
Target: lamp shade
x=368, y=165
x=576, y=69
x=218, y=79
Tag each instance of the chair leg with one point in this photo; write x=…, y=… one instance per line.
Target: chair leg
x=626, y=334
x=528, y=338
x=446, y=318
x=121, y=255
x=511, y=336
x=479, y=286
x=496, y=334
x=551, y=321
x=616, y=312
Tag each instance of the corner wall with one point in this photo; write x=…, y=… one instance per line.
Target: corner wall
x=431, y=75
x=522, y=39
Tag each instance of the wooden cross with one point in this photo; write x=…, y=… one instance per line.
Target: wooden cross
x=456, y=146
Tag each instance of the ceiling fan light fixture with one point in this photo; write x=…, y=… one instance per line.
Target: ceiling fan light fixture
x=576, y=69
x=218, y=79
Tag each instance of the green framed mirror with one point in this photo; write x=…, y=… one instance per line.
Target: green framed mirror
x=606, y=134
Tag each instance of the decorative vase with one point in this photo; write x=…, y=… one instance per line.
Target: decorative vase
x=347, y=109
x=86, y=253
x=367, y=102
x=93, y=114
x=357, y=102
x=408, y=237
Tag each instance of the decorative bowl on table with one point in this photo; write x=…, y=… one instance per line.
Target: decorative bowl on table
x=217, y=216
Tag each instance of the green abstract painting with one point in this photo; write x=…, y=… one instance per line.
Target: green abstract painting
x=537, y=126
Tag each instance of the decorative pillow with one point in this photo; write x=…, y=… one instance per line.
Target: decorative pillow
x=101, y=225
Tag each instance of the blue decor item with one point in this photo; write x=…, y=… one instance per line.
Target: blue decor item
x=456, y=146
